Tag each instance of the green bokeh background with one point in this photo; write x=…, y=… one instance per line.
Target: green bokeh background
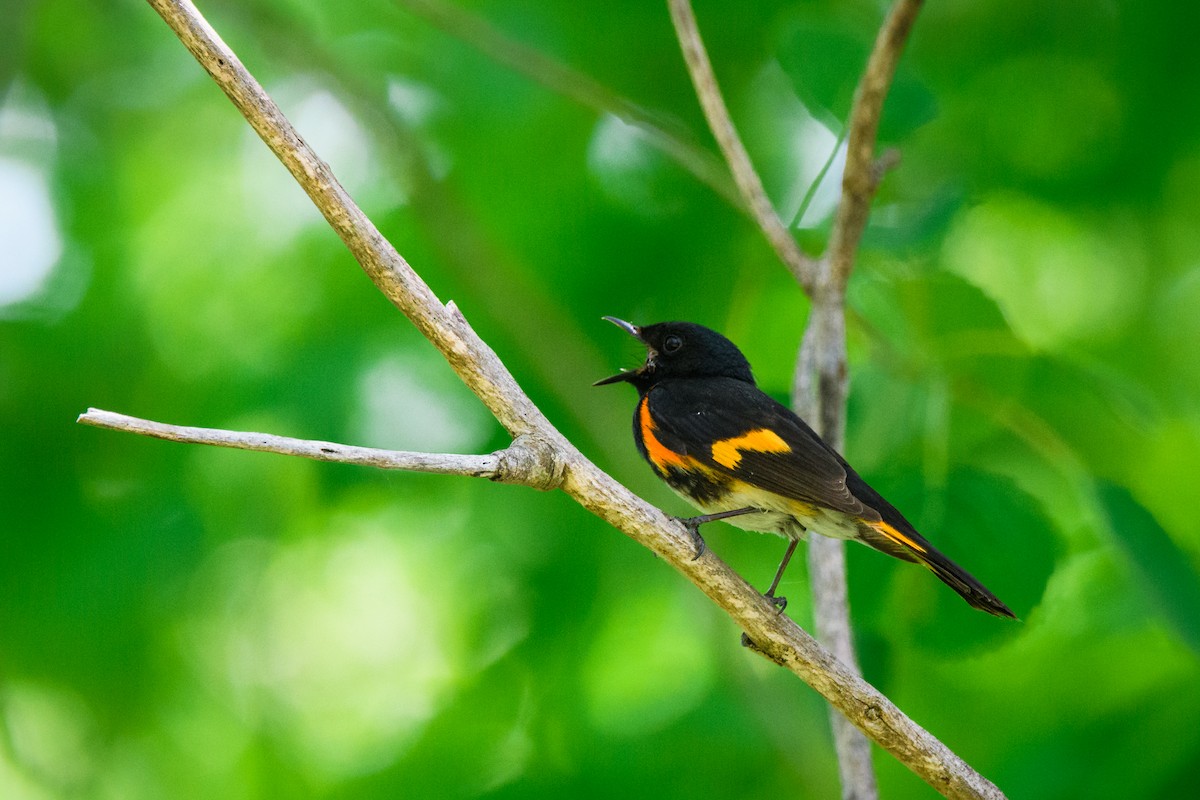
x=177, y=621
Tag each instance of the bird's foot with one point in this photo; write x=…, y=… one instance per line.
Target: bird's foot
x=780, y=603
x=693, y=526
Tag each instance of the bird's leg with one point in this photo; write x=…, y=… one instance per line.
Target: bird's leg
x=781, y=602
x=693, y=525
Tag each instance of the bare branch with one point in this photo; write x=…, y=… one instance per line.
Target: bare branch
x=861, y=177
x=748, y=183
x=831, y=617
x=774, y=634
x=819, y=395
x=888, y=161
x=822, y=384
x=487, y=466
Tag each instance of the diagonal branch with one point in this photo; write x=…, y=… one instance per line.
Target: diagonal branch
x=748, y=183
x=775, y=635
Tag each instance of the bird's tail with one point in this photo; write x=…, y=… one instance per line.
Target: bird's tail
x=916, y=548
x=961, y=581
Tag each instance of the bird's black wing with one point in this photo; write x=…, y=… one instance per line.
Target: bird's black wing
x=734, y=428
x=731, y=427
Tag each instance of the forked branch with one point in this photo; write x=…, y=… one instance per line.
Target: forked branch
x=821, y=383
x=527, y=461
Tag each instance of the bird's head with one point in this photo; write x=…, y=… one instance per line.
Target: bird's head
x=680, y=350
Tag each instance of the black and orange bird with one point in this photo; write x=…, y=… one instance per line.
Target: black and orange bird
x=735, y=453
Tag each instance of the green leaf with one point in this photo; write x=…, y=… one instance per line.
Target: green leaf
x=1163, y=571
x=908, y=106
x=991, y=528
x=911, y=224
x=823, y=59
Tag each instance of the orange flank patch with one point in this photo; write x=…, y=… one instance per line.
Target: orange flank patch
x=897, y=536
x=659, y=453
x=728, y=452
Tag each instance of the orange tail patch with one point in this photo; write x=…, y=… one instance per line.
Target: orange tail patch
x=898, y=537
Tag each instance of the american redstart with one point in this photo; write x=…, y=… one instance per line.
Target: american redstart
x=735, y=453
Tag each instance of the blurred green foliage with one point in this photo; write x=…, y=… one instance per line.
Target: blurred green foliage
x=183, y=622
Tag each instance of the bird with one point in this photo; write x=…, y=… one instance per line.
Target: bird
x=734, y=452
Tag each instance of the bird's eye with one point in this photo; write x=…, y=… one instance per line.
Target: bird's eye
x=671, y=344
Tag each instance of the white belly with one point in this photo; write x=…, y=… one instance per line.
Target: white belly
x=782, y=516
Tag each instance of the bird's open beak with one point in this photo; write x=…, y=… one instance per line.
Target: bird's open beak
x=628, y=327
x=635, y=332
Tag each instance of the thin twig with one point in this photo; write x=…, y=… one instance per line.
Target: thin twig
x=748, y=183
x=775, y=634
x=483, y=466
x=473, y=255
x=811, y=192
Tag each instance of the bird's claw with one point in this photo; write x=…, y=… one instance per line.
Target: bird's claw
x=693, y=525
x=780, y=603
x=693, y=529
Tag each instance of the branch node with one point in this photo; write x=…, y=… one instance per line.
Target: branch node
x=753, y=647
x=887, y=161
x=531, y=461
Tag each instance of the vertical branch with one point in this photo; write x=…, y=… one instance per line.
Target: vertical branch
x=822, y=382
x=819, y=395
x=821, y=386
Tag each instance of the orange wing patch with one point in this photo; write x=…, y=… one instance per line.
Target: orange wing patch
x=897, y=536
x=661, y=455
x=728, y=452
